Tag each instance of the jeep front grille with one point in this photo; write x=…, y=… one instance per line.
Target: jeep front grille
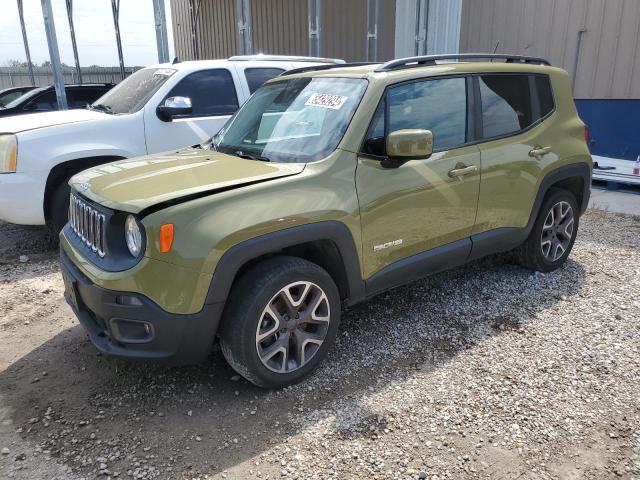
x=88, y=224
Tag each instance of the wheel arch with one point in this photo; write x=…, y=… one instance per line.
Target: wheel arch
x=68, y=168
x=329, y=244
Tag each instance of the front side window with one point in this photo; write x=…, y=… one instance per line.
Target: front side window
x=43, y=102
x=294, y=120
x=212, y=92
x=131, y=94
x=506, y=104
x=257, y=76
x=439, y=105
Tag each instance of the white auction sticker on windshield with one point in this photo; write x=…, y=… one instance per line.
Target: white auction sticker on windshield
x=326, y=100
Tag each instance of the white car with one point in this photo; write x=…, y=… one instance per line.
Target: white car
x=157, y=109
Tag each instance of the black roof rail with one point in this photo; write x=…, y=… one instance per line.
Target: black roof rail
x=433, y=59
x=314, y=68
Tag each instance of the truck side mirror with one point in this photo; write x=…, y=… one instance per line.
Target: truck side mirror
x=172, y=107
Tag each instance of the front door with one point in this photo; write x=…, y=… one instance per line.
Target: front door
x=214, y=98
x=423, y=204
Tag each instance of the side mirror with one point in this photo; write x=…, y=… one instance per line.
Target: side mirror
x=172, y=107
x=408, y=144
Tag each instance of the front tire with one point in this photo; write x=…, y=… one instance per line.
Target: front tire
x=282, y=318
x=553, y=234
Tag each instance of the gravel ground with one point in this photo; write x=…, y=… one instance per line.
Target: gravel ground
x=487, y=371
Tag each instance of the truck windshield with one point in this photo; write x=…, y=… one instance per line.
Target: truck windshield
x=296, y=120
x=131, y=94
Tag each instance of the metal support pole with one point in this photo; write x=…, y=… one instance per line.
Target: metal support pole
x=194, y=13
x=26, y=43
x=74, y=45
x=243, y=17
x=161, y=31
x=373, y=14
x=54, y=54
x=115, y=9
x=313, y=9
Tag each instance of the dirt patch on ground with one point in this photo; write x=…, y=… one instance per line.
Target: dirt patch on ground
x=487, y=371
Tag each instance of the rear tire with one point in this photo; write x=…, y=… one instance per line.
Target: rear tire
x=59, y=207
x=553, y=233
x=281, y=319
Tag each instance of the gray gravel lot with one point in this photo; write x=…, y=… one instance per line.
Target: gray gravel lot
x=487, y=371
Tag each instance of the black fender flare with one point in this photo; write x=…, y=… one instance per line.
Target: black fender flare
x=238, y=255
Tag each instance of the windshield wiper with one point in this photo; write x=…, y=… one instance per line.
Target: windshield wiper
x=101, y=108
x=250, y=156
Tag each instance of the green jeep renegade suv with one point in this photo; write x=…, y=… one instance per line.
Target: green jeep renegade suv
x=329, y=186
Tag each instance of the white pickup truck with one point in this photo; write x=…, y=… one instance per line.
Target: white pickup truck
x=156, y=109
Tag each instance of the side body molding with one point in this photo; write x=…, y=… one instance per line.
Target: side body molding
x=333, y=231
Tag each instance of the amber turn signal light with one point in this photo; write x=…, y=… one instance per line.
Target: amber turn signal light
x=166, y=237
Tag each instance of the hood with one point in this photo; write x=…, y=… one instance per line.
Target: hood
x=139, y=183
x=20, y=123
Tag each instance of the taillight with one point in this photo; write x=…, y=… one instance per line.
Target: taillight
x=587, y=136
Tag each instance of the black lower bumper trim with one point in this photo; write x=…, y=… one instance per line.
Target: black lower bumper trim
x=176, y=339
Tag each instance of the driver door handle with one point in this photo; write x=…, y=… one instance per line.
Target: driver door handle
x=462, y=171
x=539, y=152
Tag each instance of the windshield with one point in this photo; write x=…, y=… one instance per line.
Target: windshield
x=296, y=120
x=131, y=94
x=23, y=98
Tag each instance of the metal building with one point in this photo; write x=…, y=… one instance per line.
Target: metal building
x=596, y=41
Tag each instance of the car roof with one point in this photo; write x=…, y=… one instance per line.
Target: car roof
x=262, y=60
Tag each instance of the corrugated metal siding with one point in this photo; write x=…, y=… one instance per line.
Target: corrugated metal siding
x=344, y=29
x=217, y=30
x=280, y=27
x=609, y=60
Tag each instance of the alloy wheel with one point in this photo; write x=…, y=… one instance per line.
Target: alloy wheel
x=557, y=231
x=292, y=327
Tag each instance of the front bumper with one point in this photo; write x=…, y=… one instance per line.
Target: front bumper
x=142, y=330
x=21, y=198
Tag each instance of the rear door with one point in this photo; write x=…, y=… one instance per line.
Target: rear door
x=214, y=95
x=516, y=146
x=421, y=205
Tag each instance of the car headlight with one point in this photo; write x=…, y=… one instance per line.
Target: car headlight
x=8, y=153
x=133, y=236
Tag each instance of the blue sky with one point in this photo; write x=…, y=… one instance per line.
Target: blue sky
x=95, y=34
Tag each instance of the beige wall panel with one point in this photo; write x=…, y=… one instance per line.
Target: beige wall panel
x=345, y=35
x=280, y=27
x=609, y=60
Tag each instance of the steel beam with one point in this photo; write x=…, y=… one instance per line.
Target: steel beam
x=161, y=31
x=54, y=54
x=243, y=18
x=74, y=45
x=26, y=43
x=373, y=23
x=194, y=13
x=115, y=10
x=313, y=12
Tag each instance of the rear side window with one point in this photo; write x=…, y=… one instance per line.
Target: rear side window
x=257, y=76
x=81, y=97
x=506, y=104
x=545, y=95
x=212, y=92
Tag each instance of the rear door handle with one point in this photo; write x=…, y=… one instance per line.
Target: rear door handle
x=461, y=172
x=539, y=152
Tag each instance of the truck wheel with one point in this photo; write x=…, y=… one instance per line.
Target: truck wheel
x=553, y=234
x=59, y=207
x=281, y=319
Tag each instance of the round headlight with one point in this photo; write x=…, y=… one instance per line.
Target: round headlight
x=133, y=235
